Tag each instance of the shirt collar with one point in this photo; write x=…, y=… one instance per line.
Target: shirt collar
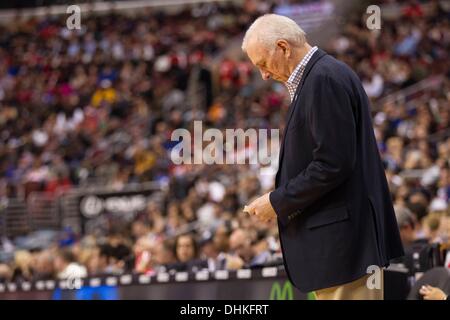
x=296, y=76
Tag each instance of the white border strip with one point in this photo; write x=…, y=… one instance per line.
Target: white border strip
x=126, y=279
x=12, y=287
x=269, y=272
x=221, y=275
x=202, y=275
x=144, y=279
x=163, y=277
x=181, y=276
x=111, y=281
x=40, y=285
x=50, y=284
x=95, y=282
x=244, y=274
x=26, y=286
x=63, y=284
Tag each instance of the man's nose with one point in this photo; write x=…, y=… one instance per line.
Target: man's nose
x=265, y=75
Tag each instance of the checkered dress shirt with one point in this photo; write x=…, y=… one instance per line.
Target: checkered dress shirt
x=296, y=76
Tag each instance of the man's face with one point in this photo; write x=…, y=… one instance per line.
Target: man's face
x=185, y=249
x=407, y=234
x=271, y=63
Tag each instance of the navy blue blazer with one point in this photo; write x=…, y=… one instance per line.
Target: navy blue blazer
x=334, y=209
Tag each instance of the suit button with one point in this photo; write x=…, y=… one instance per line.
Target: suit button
x=293, y=215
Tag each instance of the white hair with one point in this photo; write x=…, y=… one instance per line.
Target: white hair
x=269, y=28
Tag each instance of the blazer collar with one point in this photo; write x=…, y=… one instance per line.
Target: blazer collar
x=316, y=56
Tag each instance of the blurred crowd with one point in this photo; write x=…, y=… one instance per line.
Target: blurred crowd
x=97, y=106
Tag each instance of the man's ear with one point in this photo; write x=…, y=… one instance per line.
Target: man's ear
x=284, y=45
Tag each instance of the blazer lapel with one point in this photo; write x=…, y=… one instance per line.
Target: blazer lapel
x=316, y=56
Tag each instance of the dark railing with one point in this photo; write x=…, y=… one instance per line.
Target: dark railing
x=412, y=92
x=54, y=211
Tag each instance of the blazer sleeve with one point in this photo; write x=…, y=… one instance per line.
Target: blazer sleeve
x=333, y=129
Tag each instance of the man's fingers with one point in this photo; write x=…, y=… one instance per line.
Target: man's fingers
x=424, y=290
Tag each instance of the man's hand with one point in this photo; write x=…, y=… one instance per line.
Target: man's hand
x=432, y=293
x=261, y=208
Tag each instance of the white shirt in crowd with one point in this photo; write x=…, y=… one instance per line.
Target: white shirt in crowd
x=73, y=270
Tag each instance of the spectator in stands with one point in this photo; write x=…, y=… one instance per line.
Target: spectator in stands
x=143, y=249
x=186, y=248
x=208, y=250
x=432, y=228
x=221, y=238
x=139, y=229
x=407, y=225
x=164, y=256
x=420, y=252
x=5, y=272
x=67, y=267
x=23, y=266
x=43, y=266
x=241, y=252
x=186, y=253
x=419, y=211
x=96, y=261
x=118, y=254
x=261, y=252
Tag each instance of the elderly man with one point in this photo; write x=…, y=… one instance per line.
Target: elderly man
x=336, y=221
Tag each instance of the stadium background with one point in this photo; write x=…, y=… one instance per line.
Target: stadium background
x=87, y=187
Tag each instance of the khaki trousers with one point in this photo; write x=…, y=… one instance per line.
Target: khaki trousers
x=356, y=290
